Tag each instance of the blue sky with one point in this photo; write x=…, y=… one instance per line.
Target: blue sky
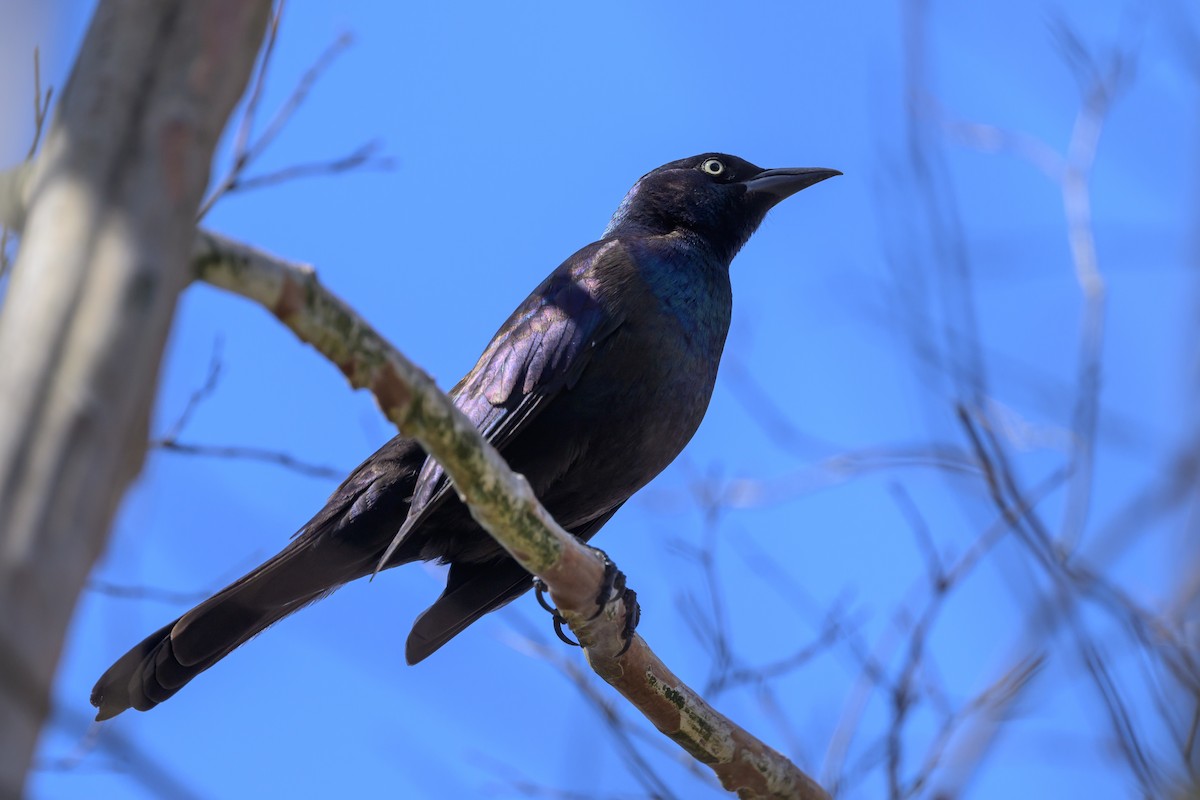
x=514, y=133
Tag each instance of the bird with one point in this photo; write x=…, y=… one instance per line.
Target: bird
x=592, y=386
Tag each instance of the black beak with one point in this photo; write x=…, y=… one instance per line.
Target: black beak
x=776, y=184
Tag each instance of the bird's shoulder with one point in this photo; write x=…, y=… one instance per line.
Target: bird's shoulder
x=546, y=339
x=682, y=276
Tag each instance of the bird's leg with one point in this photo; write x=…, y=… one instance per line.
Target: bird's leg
x=633, y=613
x=539, y=590
x=612, y=586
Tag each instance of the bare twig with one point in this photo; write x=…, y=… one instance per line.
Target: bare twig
x=362, y=158
x=169, y=441
x=41, y=105
x=83, y=748
x=246, y=125
x=1102, y=88
x=246, y=151
x=264, y=455
x=41, y=108
x=742, y=493
x=1069, y=578
x=990, y=707
x=299, y=95
x=122, y=592
x=198, y=396
x=619, y=728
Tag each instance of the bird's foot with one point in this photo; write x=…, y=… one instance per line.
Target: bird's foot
x=612, y=587
x=539, y=590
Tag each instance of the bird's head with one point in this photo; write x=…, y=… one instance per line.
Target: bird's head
x=719, y=197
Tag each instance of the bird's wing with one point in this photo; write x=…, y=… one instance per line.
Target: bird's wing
x=540, y=351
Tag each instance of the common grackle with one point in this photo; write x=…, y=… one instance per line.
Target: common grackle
x=590, y=389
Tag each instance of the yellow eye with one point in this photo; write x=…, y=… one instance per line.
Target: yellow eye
x=713, y=166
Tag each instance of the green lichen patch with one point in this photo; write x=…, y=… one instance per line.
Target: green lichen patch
x=704, y=739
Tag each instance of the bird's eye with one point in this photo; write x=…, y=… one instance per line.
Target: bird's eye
x=713, y=166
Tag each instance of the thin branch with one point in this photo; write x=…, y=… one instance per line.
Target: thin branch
x=41, y=105
x=618, y=726
x=299, y=95
x=250, y=454
x=197, y=397
x=12, y=184
x=1070, y=578
x=169, y=441
x=1101, y=84
x=1076, y=194
x=246, y=125
x=246, y=152
x=122, y=592
x=362, y=158
x=83, y=748
x=742, y=493
x=989, y=707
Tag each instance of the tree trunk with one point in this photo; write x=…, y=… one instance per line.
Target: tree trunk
x=111, y=204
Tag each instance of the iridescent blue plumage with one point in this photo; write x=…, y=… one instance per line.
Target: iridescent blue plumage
x=589, y=389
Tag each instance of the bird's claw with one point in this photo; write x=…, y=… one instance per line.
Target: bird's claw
x=633, y=613
x=611, y=587
x=539, y=590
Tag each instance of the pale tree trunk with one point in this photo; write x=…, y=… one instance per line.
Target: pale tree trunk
x=111, y=204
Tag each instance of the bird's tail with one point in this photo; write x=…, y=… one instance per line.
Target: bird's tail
x=472, y=590
x=167, y=659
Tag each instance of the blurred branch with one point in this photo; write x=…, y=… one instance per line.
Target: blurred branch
x=619, y=728
x=197, y=397
x=41, y=105
x=123, y=592
x=950, y=769
x=708, y=620
x=1068, y=577
x=243, y=453
x=247, y=151
x=13, y=183
x=1101, y=80
x=909, y=633
x=298, y=96
x=13, y=186
x=169, y=441
x=743, y=493
x=364, y=157
x=143, y=768
x=83, y=747
x=1101, y=83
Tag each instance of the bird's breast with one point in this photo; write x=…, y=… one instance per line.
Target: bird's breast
x=639, y=402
